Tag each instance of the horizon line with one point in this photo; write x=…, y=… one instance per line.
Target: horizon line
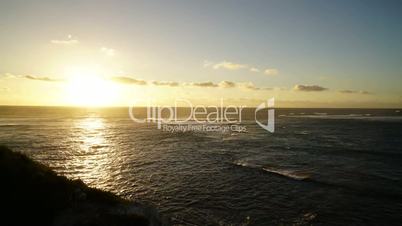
x=100, y=107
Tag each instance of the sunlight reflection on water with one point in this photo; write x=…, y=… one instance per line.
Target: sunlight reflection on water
x=91, y=133
x=94, y=151
x=221, y=179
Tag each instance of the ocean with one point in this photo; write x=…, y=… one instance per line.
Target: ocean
x=319, y=167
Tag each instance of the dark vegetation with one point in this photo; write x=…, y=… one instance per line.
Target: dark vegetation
x=32, y=194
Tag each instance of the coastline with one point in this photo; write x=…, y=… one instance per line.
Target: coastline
x=33, y=194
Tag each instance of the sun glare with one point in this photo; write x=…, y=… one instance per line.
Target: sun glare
x=89, y=89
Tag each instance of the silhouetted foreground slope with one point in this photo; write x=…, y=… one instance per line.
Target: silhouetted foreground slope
x=32, y=194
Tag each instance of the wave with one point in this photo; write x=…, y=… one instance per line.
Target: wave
x=350, y=116
x=244, y=164
x=297, y=175
x=302, y=133
x=320, y=113
x=305, y=176
x=288, y=173
x=13, y=125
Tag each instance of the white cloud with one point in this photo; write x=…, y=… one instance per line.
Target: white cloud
x=128, y=80
x=253, y=69
x=227, y=84
x=108, y=51
x=207, y=63
x=271, y=71
x=4, y=89
x=7, y=75
x=229, y=65
x=68, y=41
x=355, y=92
x=248, y=85
x=165, y=83
x=239, y=66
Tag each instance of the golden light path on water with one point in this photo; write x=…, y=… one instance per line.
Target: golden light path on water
x=95, y=156
x=98, y=157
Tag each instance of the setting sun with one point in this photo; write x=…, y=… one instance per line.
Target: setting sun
x=89, y=89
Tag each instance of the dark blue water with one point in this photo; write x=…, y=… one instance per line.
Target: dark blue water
x=321, y=166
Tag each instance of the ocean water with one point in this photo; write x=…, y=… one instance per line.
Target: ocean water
x=320, y=167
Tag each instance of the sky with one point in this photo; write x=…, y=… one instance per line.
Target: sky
x=305, y=53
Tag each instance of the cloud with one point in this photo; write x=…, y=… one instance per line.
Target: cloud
x=248, y=85
x=133, y=81
x=204, y=84
x=108, y=51
x=68, y=41
x=280, y=88
x=46, y=79
x=253, y=69
x=347, y=91
x=207, y=63
x=128, y=80
x=7, y=75
x=229, y=65
x=207, y=84
x=31, y=77
x=165, y=83
x=4, y=89
x=309, y=88
x=223, y=84
x=65, y=42
x=271, y=71
x=227, y=84
x=238, y=66
x=364, y=92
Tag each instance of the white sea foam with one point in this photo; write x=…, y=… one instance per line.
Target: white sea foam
x=289, y=173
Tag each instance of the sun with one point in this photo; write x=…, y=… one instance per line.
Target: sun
x=90, y=89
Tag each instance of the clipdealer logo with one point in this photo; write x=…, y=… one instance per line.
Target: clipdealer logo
x=270, y=104
x=209, y=118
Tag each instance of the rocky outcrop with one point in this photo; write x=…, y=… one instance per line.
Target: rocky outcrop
x=32, y=194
